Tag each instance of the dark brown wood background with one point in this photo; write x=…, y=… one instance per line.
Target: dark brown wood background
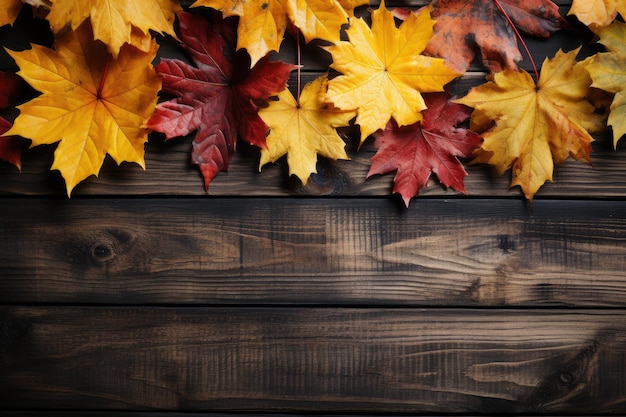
x=145, y=295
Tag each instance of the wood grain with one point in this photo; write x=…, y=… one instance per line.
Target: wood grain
x=313, y=251
x=301, y=359
x=170, y=173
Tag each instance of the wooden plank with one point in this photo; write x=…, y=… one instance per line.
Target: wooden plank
x=169, y=172
x=82, y=413
x=313, y=251
x=323, y=360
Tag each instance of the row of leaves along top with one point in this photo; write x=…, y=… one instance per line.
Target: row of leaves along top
x=99, y=90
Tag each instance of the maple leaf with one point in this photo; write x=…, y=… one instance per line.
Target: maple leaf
x=597, y=12
x=608, y=72
x=429, y=146
x=90, y=103
x=536, y=125
x=10, y=146
x=383, y=71
x=116, y=22
x=9, y=9
x=304, y=129
x=464, y=25
x=262, y=23
x=216, y=97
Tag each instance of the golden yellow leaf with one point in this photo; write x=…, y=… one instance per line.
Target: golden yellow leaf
x=90, y=103
x=536, y=125
x=9, y=9
x=262, y=23
x=608, y=72
x=303, y=130
x=116, y=22
x=597, y=12
x=350, y=5
x=383, y=71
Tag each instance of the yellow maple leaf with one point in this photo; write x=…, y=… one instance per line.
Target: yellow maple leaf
x=90, y=103
x=383, y=71
x=608, y=72
x=9, y=9
x=262, y=23
x=597, y=12
x=116, y=22
x=303, y=130
x=536, y=125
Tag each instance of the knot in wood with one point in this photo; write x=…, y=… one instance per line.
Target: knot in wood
x=102, y=252
x=98, y=248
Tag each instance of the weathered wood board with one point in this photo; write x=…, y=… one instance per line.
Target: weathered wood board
x=314, y=359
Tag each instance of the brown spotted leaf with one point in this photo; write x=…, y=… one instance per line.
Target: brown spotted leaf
x=464, y=26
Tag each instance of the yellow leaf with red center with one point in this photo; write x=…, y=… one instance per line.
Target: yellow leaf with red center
x=116, y=22
x=90, y=103
x=383, y=71
x=536, y=125
x=303, y=130
x=262, y=23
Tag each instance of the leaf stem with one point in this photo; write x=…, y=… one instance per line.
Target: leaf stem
x=517, y=34
x=299, y=52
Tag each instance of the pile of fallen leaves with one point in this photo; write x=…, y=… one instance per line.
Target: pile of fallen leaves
x=100, y=93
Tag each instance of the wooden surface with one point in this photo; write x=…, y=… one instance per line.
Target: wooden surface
x=143, y=295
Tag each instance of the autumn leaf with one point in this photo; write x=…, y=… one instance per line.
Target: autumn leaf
x=608, y=72
x=10, y=146
x=9, y=9
x=463, y=26
x=597, y=12
x=429, y=146
x=383, y=71
x=217, y=97
x=536, y=125
x=90, y=103
x=9, y=87
x=304, y=129
x=262, y=23
x=116, y=22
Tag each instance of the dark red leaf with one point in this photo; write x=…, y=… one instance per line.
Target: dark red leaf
x=10, y=146
x=217, y=98
x=9, y=86
x=429, y=146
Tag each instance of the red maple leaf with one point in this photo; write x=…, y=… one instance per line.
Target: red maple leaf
x=464, y=25
x=10, y=146
x=218, y=97
x=431, y=145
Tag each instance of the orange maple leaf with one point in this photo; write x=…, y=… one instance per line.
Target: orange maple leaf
x=536, y=125
x=90, y=103
x=116, y=22
x=467, y=26
x=9, y=9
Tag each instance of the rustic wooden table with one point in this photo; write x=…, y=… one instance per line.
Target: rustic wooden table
x=143, y=293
